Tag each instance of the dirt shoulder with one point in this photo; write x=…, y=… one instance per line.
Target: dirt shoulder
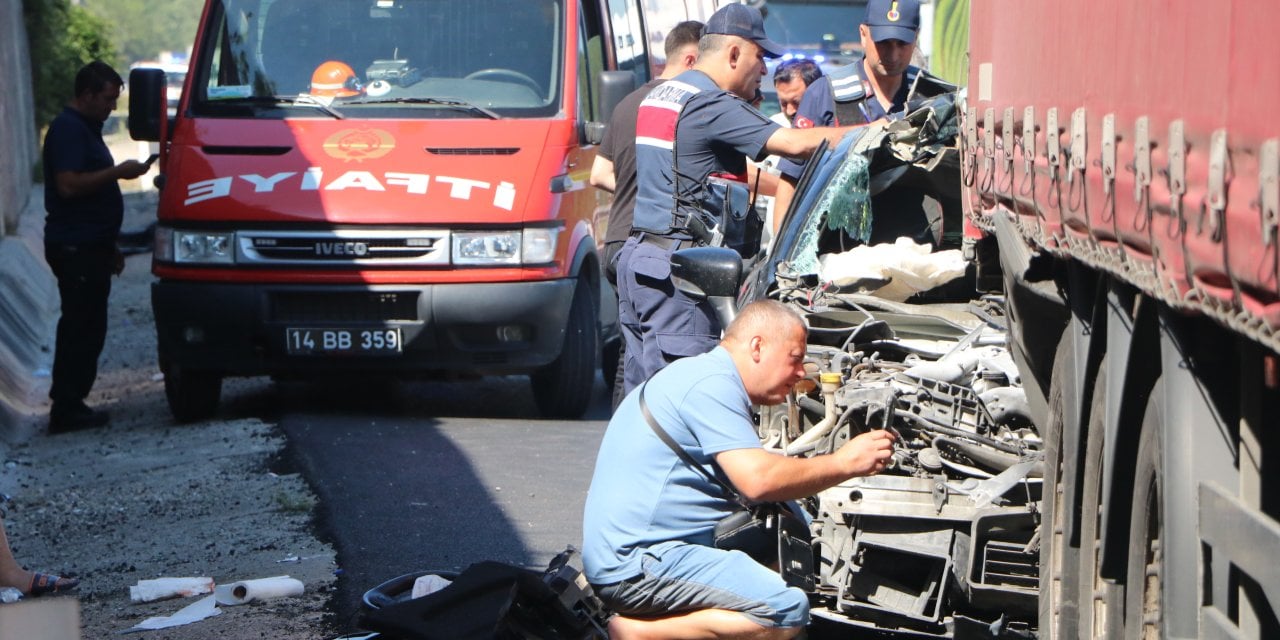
x=143, y=498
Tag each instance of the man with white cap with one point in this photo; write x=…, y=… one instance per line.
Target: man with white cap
x=691, y=130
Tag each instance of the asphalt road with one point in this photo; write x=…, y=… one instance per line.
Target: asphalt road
x=416, y=476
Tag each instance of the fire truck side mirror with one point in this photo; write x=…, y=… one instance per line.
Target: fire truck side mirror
x=614, y=86
x=147, y=103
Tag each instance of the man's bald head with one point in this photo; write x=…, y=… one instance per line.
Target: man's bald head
x=762, y=317
x=767, y=344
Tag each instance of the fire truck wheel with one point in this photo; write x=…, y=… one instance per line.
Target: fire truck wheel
x=192, y=395
x=562, y=389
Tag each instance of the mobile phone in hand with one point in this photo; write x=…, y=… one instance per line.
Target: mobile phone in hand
x=150, y=159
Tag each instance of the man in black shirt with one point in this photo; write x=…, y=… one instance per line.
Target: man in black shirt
x=614, y=169
x=85, y=210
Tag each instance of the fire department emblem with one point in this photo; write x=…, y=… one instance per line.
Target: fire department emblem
x=358, y=145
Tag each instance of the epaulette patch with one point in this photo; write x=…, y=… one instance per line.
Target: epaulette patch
x=848, y=85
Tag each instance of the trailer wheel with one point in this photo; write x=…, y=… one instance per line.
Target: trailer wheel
x=562, y=389
x=192, y=395
x=1143, y=606
x=1057, y=618
x=1101, y=600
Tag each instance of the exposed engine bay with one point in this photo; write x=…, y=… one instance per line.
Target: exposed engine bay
x=943, y=541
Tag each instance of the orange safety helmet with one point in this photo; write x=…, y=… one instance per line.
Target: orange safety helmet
x=334, y=78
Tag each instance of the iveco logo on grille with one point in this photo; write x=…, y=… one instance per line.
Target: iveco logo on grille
x=357, y=249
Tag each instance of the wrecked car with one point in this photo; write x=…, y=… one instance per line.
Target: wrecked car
x=943, y=542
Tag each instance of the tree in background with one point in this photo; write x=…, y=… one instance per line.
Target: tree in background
x=63, y=38
x=142, y=29
x=951, y=41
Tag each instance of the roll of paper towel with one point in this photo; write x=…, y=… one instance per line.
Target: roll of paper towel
x=247, y=591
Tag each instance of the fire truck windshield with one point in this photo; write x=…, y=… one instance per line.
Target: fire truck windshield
x=379, y=58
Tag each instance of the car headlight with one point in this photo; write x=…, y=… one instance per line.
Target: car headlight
x=480, y=247
x=530, y=246
x=197, y=247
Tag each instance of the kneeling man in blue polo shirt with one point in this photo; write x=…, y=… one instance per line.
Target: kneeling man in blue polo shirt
x=649, y=517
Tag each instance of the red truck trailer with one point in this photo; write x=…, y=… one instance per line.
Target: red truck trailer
x=390, y=186
x=1121, y=168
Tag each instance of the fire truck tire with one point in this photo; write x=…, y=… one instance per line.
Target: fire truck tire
x=562, y=389
x=1057, y=558
x=1101, y=601
x=192, y=395
x=1143, y=607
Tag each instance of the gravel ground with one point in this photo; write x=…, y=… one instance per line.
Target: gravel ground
x=143, y=498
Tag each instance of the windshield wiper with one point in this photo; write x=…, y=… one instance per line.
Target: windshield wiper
x=308, y=99
x=300, y=100
x=466, y=106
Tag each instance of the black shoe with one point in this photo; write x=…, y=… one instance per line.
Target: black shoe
x=64, y=418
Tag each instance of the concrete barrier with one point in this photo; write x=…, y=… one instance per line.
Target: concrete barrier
x=17, y=117
x=28, y=312
x=26, y=306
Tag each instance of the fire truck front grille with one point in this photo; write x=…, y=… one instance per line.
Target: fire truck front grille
x=355, y=307
x=365, y=247
x=473, y=151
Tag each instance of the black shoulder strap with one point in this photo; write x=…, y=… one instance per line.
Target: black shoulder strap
x=677, y=222
x=684, y=455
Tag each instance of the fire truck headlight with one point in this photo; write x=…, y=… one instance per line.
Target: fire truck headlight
x=486, y=247
x=539, y=245
x=163, y=244
x=203, y=247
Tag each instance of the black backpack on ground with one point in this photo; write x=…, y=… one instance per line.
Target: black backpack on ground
x=496, y=600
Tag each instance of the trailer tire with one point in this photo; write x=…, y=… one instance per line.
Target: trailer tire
x=562, y=389
x=1057, y=615
x=1144, y=602
x=192, y=395
x=1101, y=601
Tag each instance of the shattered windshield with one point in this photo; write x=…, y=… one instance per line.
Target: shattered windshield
x=836, y=208
x=277, y=58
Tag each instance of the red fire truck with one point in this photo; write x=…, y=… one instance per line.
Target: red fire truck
x=390, y=186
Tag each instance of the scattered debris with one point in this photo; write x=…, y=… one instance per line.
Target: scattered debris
x=428, y=584
x=247, y=591
x=201, y=609
x=165, y=588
